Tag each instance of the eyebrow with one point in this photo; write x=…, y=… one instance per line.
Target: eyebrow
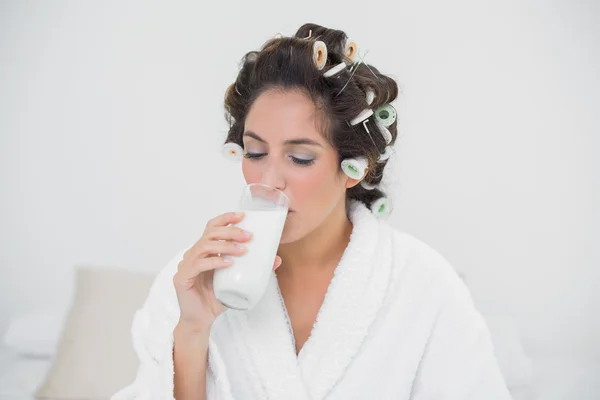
x=287, y=142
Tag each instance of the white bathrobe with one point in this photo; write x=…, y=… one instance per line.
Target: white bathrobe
x=397, y=323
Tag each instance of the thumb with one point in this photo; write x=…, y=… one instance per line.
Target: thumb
x=277, y=263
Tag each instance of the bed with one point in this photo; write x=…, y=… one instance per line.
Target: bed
x=20, y=376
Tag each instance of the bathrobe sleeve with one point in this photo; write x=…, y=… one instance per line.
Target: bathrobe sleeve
x=152, y=336
x=459, y=360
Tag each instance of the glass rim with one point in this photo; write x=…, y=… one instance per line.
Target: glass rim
x=269, y=187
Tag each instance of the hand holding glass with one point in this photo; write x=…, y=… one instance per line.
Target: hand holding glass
x=243, y=284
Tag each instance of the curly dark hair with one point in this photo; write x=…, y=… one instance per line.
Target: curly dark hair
x=286, y=63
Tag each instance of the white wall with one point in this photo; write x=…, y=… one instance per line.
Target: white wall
x=111, y=126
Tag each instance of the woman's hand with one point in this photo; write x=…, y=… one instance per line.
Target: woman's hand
x=193, y=280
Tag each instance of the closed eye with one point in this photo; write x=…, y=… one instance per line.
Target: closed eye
x=299, y=161
x=254, y=155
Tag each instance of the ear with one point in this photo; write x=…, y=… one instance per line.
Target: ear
x=351, y=182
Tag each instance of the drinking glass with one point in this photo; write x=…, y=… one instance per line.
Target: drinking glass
x=241, y=285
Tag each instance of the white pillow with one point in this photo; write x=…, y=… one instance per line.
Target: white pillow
x=95, y=356
x=36, y=333
x=23, y=377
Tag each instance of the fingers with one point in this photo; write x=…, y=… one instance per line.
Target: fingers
x=190, y=269
x=228, y=233
x=217, y=230
x=225, y=219
x=205, y=259
x=213, y=247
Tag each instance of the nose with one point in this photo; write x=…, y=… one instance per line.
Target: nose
x=272, y=175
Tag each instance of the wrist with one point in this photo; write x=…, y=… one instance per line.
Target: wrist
x=192, y=332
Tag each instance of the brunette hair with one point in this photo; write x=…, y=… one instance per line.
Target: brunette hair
x=286, y=63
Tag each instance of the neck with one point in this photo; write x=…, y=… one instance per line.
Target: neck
x=319, y=250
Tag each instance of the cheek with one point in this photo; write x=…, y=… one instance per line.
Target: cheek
x=315, y=184
x=251, y=171
x=310, y=182
x=315, y=191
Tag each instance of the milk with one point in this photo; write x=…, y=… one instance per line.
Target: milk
x=242, y=285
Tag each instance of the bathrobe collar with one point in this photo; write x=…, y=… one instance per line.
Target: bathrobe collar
x=353, y=299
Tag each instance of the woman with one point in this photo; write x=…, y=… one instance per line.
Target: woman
x=356, y=309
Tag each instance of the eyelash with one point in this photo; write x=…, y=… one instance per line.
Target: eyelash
x=257, y=156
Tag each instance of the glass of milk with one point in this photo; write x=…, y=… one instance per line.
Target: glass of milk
x=243, y=284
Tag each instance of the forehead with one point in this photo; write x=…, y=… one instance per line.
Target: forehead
x=277, y=114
